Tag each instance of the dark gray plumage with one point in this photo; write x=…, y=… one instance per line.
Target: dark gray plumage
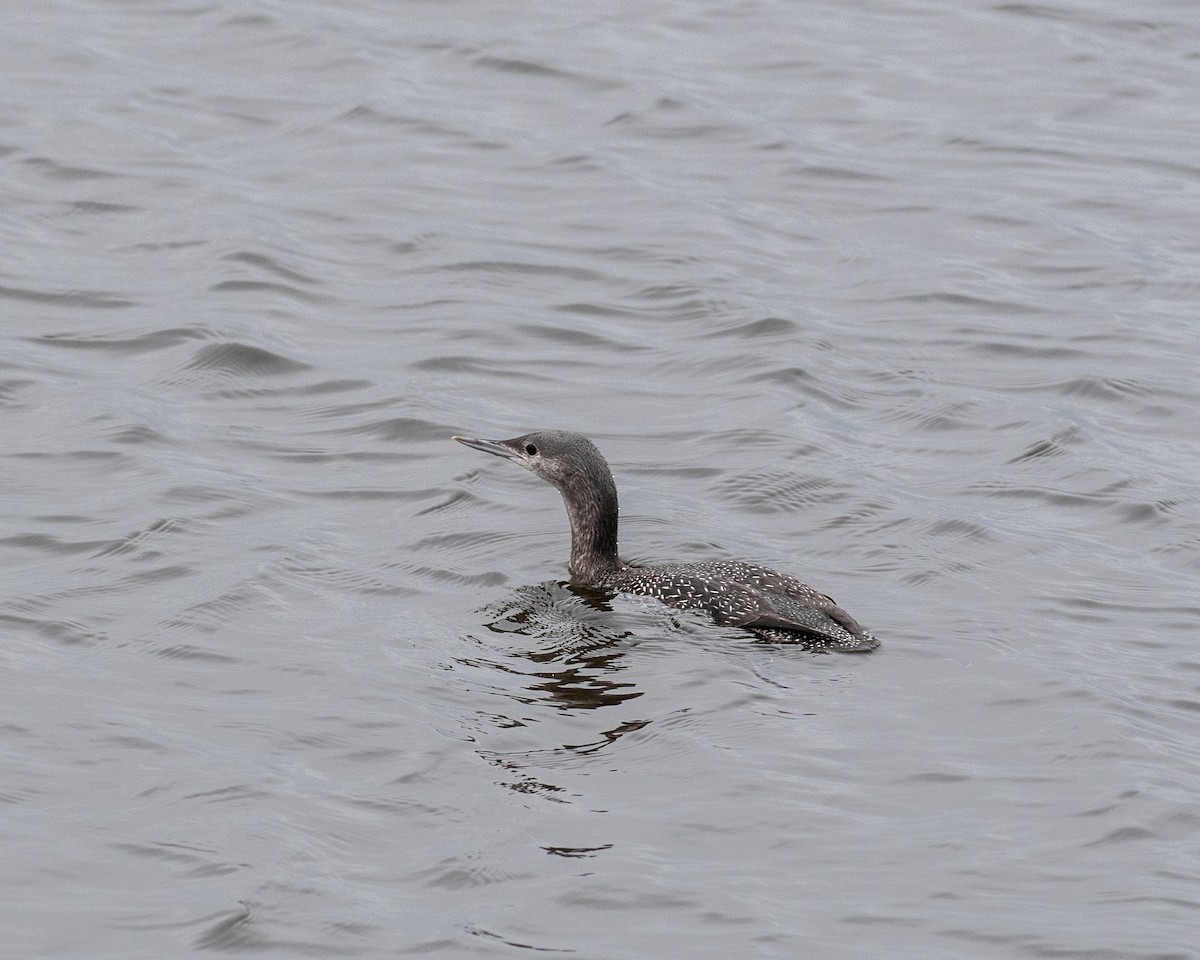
x=773, y=605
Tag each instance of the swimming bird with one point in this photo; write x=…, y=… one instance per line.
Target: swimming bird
x=772, y=605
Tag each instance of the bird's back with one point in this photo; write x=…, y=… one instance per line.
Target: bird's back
x=773, y=605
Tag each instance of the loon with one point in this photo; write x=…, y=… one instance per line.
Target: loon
x=773, y=606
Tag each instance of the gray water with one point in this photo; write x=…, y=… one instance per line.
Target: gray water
x=899, y=297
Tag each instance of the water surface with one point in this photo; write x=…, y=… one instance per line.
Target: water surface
x=896, y=296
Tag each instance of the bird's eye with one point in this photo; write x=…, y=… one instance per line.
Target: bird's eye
x=531, y=449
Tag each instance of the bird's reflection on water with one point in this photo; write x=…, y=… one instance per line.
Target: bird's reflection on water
x=569, y=656
x=573, y=645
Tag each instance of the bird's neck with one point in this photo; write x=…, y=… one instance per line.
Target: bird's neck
x=593, y=514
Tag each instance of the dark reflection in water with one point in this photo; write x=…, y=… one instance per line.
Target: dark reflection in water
x=571, y=657
x=571, y=642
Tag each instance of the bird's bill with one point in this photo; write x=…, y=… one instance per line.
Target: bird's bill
x=495, y=447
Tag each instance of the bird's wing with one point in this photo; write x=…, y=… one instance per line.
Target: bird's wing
x=769, y=599
x=781, y=612
x=741, y=604
x=746, y=605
